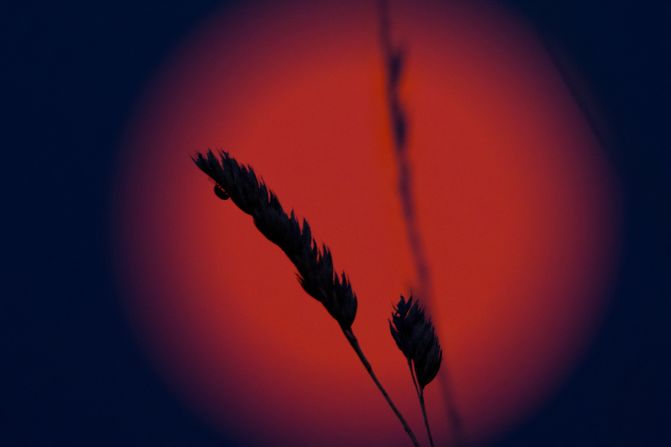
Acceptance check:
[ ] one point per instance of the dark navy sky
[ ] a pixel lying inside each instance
(71, 373)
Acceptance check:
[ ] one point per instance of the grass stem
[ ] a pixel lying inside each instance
(351, 338)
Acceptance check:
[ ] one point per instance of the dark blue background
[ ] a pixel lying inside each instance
(70, 371)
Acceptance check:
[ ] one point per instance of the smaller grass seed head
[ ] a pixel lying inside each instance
(416, 338)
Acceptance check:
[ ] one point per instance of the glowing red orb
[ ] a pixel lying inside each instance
(514, 204)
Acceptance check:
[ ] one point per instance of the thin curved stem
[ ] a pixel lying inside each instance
(351, 338)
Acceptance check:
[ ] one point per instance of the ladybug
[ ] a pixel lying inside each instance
(219, 192)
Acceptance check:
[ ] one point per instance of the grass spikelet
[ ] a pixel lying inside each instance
(416, 338)
(313, 262)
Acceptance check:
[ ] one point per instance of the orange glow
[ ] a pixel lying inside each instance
(514, 204)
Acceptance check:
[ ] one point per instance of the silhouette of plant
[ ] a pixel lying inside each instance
(394, 64)
(316, 275)
(394, 61)
(415, 336)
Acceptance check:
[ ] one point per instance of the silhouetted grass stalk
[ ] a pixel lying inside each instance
(416, 338)
(393, 59)
(313, 263)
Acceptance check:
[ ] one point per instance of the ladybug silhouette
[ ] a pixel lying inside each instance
(219, 192)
